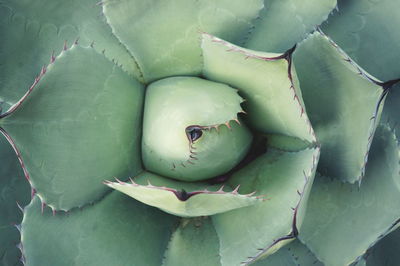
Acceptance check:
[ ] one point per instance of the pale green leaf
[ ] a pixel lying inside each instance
(164, 35)
(194, 243)
(266, 81)
(368, 31)
(285, 178)
(293, 254)
(184, 199)
(173, 106)
(349, 219)
(31, 31)
(116, 231)
(80, 125)
(283, 23)
(341, 101)
(14, 190)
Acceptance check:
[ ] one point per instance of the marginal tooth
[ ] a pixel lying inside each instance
(262, 197)
(119, 181)
(43, 205)
(305, 175)
(228, 125)
(221, 188)
(251, 194)
(65, 48)
(19, 246)
(132, 182)
(33, 192)
(52, 57)
(18, 226)
(235, 191)
(237, 121)
(43, 70)
(149, 184)
(92, 44)
(20, 207)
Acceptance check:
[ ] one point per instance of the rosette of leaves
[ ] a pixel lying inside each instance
(189, 132)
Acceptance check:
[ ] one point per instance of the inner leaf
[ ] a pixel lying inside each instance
(184, 199)
(191, 129)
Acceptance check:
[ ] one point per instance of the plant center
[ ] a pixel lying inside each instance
(191, 129)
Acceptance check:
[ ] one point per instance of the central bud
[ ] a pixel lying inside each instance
(191, 129)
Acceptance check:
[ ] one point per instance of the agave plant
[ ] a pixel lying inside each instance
(199, 132)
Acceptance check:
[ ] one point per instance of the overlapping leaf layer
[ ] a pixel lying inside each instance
(79, 78)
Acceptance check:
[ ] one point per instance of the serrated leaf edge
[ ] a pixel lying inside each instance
(286, 56)
(187, 195)
(19, 103)
(294, 231)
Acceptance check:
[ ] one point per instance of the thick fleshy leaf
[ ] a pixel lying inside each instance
(266, 81)
(298, 18)
(349, 219)
(115, 231)
(83, 116)
(14, 190)
(164, 35)
(293, 254)
(368, 31)
(195, 242)
(184, 199)
(386, 251)
(32, 30)
(337, 93)
(256, 231)
(191, 129)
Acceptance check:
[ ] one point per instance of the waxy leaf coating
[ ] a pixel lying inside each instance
(83, 115)
(344, 105)
(191, 129)
(348, 218)
(185, 199)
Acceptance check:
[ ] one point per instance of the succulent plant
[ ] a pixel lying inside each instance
(199, 132)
